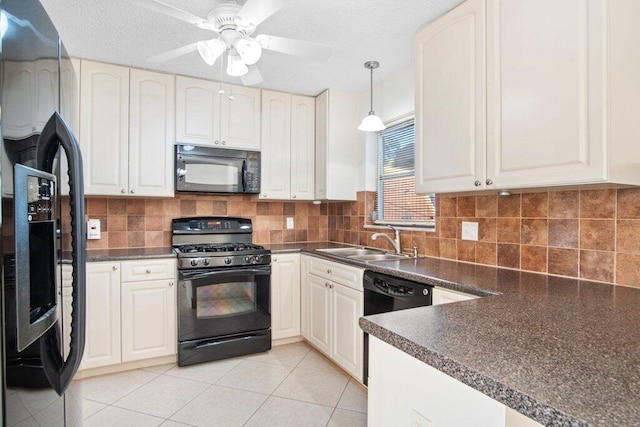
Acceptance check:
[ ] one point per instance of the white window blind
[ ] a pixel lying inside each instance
(397, 202)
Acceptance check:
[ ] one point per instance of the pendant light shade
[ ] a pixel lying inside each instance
(235, 66)
(371, 123)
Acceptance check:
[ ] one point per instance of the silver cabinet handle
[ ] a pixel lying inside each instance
(293, 197)
(275, 260)
(170, 283)
(133, 191)
(328, 271)
(216, 142)
(115, 267)
(489, 182)
(224, 142)
(123, 191)
(477, 183)
(148, 271)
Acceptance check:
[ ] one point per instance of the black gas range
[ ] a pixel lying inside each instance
(224, 289)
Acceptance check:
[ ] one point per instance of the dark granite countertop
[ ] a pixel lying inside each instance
(97, 255)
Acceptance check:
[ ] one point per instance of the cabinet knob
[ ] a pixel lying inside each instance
(275, 259)
(148, 271)
(216, 142)
(328, 271)
(224, 142)
(123, 191)
(489, 182)
(133, 191)
(115, 267)
(264, 194)
(327, 285)
(477, 183)
(293, 197)
(170, 283)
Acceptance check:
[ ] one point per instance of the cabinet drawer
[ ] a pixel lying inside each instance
(148, 270)
(340, 273)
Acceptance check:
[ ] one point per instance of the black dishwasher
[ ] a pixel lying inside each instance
(383, 293)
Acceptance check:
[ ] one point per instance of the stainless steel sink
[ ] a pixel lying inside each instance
(377, 257)
(351, 252)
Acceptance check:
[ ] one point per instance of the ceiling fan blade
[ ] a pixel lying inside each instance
(255, 11)
(308, 50)
(174, 12)
(253, 77)
(175, 53)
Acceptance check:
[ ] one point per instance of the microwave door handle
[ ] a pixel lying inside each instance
(59, 371)
(244, 176)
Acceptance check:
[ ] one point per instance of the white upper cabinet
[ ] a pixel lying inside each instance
(205, 116)
(558, 96)
(126, 131)
(287, 146)
(336, 139)
(151, 133)
(450, 100)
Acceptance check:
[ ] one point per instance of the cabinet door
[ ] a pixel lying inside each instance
(545, 87)
(240, 123)
(46, 74)
(104, 128)
(69, 109)
(322, 134)
(302, 147)
(276, 144)
(18, 97)
(148, 319)
(197, 111)
(450, 101)
(319, 312)
(346, 335)
(151, 133)
(285, 296)
(102, 339)
(304, 296)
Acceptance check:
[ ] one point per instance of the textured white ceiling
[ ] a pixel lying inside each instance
(119, 32)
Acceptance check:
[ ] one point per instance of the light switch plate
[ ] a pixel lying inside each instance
(289, 223)
(93, 229)
(469, 230)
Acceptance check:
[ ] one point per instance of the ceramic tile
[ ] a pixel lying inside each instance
(209, 372)
(509, 206)
(508, 230)
(597, 234)
(597, 203)
(90, 407)
(564, 233)
(163, 396)
(534, 232)
(466, 250)
(534, 258)
(255, 376)
(313, 386)
(109, 388)
(160, 369)
(563, 262)
(627, 236)
(288, 355)
(627, 271)
(508, 255)
(317, 362)
(487, 206)
(487, 229)
(597, 265)
(18, 410)
(280, 412)
(466, 206)
(170, 423)
(564, 204)
(227, 406)
(343, 418)
(535, 205)
(486, 253)
(112, 416)
(628, 206)
(354, 397)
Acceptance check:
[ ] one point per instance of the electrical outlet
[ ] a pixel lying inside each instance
(419, 420)
(93, 229)
(289, 223)
(469, 230)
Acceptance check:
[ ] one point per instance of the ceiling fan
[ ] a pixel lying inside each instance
(235, 25)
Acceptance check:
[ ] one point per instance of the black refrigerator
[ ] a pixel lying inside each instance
(43, 223)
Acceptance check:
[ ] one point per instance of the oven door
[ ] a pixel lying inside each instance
(211, 174)
(217, 302)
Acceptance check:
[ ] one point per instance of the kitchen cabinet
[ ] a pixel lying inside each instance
(406, 391)
(285, 296)
(131, 311)
(288, 146)
(335, 305)
(304, 296)
(217, 114)
(126, 130)
(336, 145)
(555, 106)
(442, 296)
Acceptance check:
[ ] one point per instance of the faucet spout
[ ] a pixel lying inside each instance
(394, 242)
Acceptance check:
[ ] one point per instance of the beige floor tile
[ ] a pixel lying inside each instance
(109, 388)
(170, 423)
(112, 416)
(354, 397)
(163, 396)
(288, 354)
(205, 372)
(89, 407)
(323, 388)
(256, 376)
(27, 422)
(160, 369)
(344, 418)
(277, 411)
(227, 406)
(317, 362)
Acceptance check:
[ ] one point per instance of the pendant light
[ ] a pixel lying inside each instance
(371, 123)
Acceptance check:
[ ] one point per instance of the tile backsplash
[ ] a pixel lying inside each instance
(589, 234)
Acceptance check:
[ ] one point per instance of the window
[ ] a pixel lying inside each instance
(397, 202)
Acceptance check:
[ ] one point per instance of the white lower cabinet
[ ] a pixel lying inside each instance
(129, 319)
(442, 296)
(335, 304)
(285, 296)
(405, 391)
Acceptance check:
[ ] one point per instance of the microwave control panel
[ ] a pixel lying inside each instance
(40, 198)
(253, 173)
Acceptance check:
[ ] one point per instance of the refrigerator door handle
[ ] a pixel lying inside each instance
(60, 372)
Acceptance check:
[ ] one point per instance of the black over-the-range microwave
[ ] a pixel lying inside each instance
(217, 170)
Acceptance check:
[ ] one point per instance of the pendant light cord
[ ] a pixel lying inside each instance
(371, 92)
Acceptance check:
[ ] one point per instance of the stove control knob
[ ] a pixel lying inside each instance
(258, 258)
(194, 262)
(205, 262)
(247, 259)
(227, 260)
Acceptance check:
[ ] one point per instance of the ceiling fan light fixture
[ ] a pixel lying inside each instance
(249, 50)
(235, 65)
(371, 123)
(210, 50)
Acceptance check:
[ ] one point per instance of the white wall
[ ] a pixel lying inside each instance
(393, 99)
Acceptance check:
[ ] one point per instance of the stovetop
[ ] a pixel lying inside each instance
(218, 248)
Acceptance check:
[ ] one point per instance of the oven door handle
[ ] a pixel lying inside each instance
(186, 275)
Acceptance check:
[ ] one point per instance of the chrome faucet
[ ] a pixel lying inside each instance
(395, 242)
